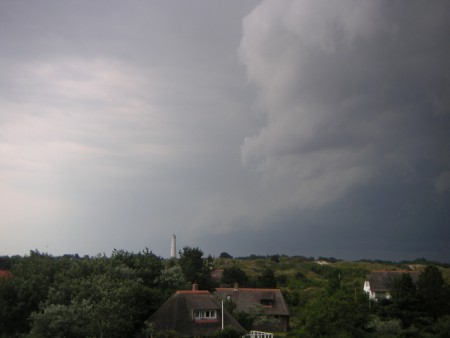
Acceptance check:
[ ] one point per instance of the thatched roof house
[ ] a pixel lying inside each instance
(192, 314)
(378, 283)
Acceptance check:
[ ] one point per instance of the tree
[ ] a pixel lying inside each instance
(32, 278)
(275, 258)
(172, 279)
(95, 297)
(233, 275)
(442, 327)
(59, 320)
(334, 280)
(340, 314)
(147, 265)
(282, 280)
(225, 255)
(405, 304)
(195, 268)
(10, 314)
(267, 279)
(433, 292)
(101, 305)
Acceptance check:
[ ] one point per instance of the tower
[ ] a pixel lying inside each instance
(173, 247)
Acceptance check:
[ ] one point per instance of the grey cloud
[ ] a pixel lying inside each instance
(117, 120)
(442, 183)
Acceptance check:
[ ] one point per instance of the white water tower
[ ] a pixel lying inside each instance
(173, 247)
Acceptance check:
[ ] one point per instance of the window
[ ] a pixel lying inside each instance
(205, 314)
(266, 302)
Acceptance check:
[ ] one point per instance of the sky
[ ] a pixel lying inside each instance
(314, 128)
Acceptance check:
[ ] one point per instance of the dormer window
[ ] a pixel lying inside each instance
(205, 314)
(267, 299)
(266, 302)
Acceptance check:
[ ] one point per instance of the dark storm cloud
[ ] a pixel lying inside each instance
(355, 96)
(365, 82)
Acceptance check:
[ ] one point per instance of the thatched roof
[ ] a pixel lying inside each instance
(247, 298)
(380, 281)
(177, 314)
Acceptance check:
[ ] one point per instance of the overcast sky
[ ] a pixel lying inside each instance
(315, 128)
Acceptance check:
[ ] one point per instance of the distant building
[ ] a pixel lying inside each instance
(195, 313)
(271, 301)
(173, 247)
(378, 283)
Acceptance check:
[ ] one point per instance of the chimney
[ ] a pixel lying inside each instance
(195, 287)
(236, 287)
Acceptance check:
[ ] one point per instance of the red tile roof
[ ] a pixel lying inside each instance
(5, 273)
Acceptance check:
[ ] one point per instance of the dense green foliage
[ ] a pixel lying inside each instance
(72, 296)
(434, 292)
(233, 275)
(336, 314)
(326, 296)
(196, 269)
(78, 297)
(98, 296)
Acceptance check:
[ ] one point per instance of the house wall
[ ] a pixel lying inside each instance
(284, 323)
(368, 290)
(375, 295)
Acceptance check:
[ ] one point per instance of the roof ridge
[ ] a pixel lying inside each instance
(251, 289)
(204, 292)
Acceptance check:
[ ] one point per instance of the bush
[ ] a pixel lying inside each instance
(228, 332)
(166, 334)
